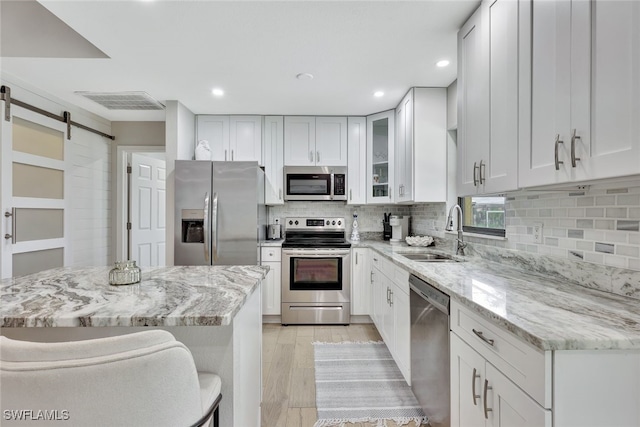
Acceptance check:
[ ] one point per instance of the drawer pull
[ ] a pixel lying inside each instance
(480, 335)
(486, 410)
(473, 387)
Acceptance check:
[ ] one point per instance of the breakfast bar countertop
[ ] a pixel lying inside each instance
(548, 313)
(166, 296)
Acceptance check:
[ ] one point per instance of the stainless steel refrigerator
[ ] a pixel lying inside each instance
(220, 215)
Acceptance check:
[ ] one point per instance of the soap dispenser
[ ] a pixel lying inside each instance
(355, 234)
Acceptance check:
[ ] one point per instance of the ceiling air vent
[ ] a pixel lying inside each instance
(123, 100)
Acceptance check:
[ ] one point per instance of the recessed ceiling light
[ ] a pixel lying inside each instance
(378, 94)
(217, 92)
(442, 63)
(304, 76)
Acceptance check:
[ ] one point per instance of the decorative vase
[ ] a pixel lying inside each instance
(124, 273)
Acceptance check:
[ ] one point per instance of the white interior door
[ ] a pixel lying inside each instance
(35, 193)
(148, 199)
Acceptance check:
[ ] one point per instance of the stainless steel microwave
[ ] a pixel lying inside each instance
(315, 183)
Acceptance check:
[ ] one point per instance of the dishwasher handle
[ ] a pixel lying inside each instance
(438, 299)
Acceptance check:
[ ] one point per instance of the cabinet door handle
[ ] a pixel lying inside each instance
(232, 155)
(558, 142)
(390, 297)
(475, 171)
(225, 155)
(388, 290)
(356, 258)
(486, 410)
(573, 148)
(473, 386)
(480, 335)
(311, 156)
(350, 194)
(317, 157)
(280, 194)
(481, 171)
(371, 277)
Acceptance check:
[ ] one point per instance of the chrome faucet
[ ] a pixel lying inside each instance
(460, 242)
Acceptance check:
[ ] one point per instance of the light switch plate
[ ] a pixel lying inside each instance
(537, 232)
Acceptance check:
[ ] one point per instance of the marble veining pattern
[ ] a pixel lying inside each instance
(166, 296)
(541, 309)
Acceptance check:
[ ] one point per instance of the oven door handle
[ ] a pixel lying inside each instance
(314, 253)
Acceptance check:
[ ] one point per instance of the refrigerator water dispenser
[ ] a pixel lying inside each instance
(192, 225)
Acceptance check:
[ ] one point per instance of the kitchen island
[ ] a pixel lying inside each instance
(214, 311)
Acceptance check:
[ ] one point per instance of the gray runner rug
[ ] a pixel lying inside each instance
(360, 382)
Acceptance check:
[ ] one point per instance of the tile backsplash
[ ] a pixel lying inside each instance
(369, 217)
(599, 225)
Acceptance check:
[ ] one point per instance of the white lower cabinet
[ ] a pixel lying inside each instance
(272, 283)
(483, 396)
(360, 281)
(390, 312)
(497, 379)
(402, 331)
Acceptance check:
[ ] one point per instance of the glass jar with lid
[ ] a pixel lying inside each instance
(124, 273)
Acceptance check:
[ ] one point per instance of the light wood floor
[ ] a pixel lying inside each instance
(289, 393)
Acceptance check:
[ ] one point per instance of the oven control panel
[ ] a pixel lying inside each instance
(328, 224)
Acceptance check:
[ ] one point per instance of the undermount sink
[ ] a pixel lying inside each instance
(429, 257)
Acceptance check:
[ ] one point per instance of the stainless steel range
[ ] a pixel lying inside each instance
(316, 272)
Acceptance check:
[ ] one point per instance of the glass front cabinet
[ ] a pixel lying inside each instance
(380, 132)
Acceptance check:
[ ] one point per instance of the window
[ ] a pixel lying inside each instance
(483, 215)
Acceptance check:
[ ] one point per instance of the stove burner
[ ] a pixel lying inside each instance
(315, 233)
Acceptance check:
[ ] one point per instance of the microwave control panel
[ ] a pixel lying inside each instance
(339, 185)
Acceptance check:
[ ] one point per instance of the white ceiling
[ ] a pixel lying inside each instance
(180, 50)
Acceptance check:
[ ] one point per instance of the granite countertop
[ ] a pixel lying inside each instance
(548, 313)
(166, 296)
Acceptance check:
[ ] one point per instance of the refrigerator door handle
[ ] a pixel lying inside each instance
(205, 227)
(214, 231)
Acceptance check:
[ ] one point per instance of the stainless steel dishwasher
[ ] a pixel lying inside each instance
(430, 351)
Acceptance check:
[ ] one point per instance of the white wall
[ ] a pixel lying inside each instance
(91, 208)
(180, 145)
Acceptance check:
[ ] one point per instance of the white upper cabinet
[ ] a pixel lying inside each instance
(231, 138)
(274, 159)
(421, 146)
(215, 130)
(501, 170)
(614, 146)
(245, 138)
(488, 93)
(544, 154)
(299, 141)
(404, 150)
(315, 141)
(427, 156)
(357, 161)
(380, 157)
(331, 141)
(585, 90)
(473, 100)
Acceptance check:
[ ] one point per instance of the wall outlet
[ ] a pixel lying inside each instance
(537, 232)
